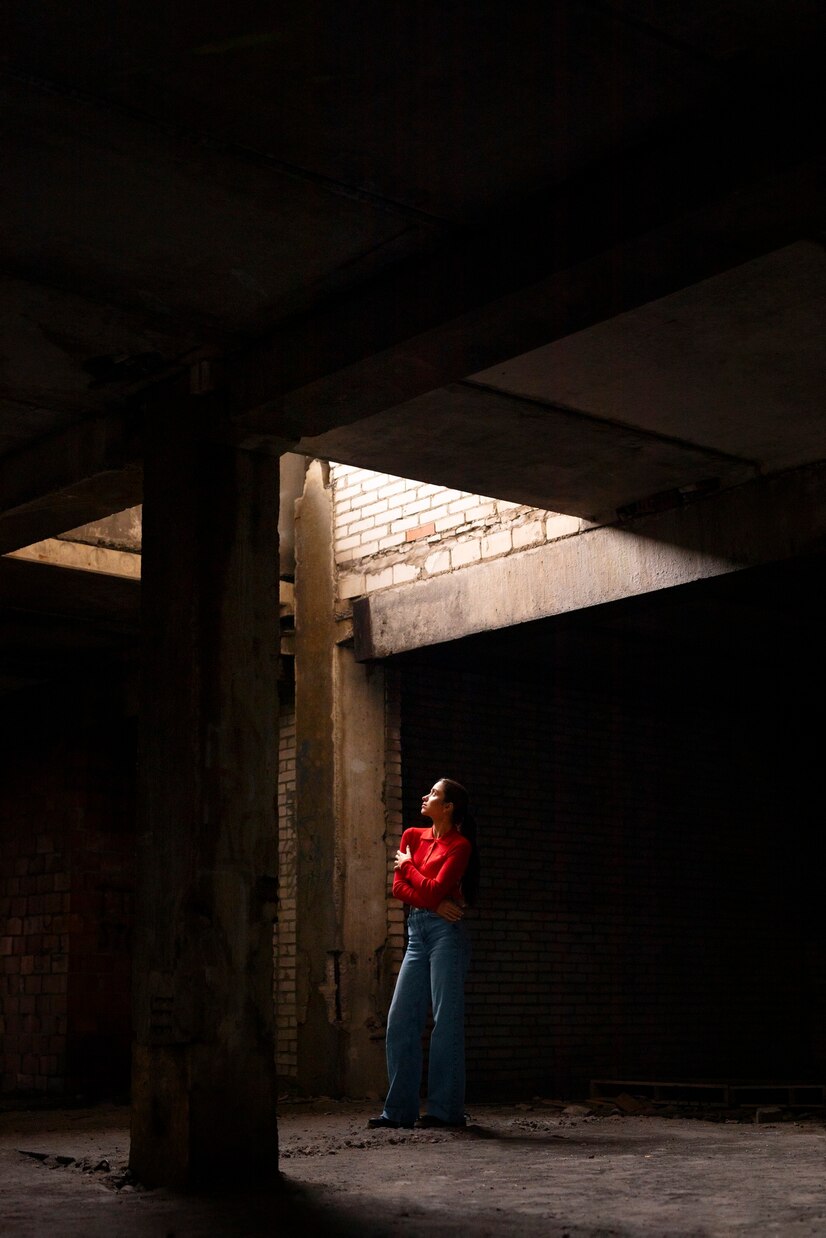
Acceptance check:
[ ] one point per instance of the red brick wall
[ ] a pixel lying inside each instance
(66, 889)
(650, 835)
(34, 935)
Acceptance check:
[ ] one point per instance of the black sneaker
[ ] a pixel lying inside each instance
(379, 1123)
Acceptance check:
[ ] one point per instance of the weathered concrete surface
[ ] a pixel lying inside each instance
(82, 556)
(343, 240)
(318, 861)
(120, 531)
(113, 544)
(759, 522)
(721, 380)
(293, 468)
(203, 1062)
(359, 796)
(753, 333)
(519, 1170)
(341, 922)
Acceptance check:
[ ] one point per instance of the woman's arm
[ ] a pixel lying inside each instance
(411, 886)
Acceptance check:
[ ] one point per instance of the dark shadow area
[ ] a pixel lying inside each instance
(645, 778)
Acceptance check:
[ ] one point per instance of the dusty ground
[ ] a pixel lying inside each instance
(517, 1170)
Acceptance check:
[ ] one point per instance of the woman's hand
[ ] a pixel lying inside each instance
(401, 856)
(449, 910)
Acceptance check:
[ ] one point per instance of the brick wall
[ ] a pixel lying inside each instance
(284, 933)
(390, 530)
(394, 824)
(650, 839)
(66, 899)
(67, 840)
(34, 935)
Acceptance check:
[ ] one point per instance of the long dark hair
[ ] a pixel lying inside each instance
(455, 794)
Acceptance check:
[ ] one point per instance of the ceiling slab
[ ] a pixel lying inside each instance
(199, 234)
(347, 212)
(735, 363)
(440, 108)
(714, 384)
(486, 442)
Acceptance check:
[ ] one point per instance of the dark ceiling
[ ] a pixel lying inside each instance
(570, 254)
(377, 220)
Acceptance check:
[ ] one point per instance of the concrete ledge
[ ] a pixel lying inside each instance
(760, 522)
(82, 556)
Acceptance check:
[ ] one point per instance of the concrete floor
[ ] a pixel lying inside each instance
(517, 1170)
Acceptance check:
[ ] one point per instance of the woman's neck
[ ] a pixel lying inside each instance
(444, 827)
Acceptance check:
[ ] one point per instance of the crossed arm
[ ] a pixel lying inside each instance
(446, 908)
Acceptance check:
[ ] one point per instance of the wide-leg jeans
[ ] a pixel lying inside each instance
(433, 974)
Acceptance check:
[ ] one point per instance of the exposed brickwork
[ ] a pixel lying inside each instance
(391, 531)
(645, 910)
(284, 940)
(284, 934)
(394, 818)
(66, 903)
(34, 942)
(634, 927)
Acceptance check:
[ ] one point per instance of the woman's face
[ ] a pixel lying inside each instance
(433, 804)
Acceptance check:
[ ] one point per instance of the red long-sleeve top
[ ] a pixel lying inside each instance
(435, 870)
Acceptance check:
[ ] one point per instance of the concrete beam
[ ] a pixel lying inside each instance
(760, 522)
(102, 599)
(746, 179)
(682, 208)
(409, 411)
(82, 474)
(81, 556)
(484, 441)
(556, 262)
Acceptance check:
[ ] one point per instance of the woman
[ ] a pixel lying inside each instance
(436, 875)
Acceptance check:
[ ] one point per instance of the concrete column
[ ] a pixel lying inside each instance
(292, 485)
(359, 727)
(203, 1067)
(341, 919)
(318, 870)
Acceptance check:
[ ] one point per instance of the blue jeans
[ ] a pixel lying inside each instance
(433, 973)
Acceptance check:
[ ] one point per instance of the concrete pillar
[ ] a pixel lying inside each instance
(341, 920)
(318, 871)
(292, 484)
(204, 1088)
(359, 728)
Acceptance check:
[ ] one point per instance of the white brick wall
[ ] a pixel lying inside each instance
(393, 530)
